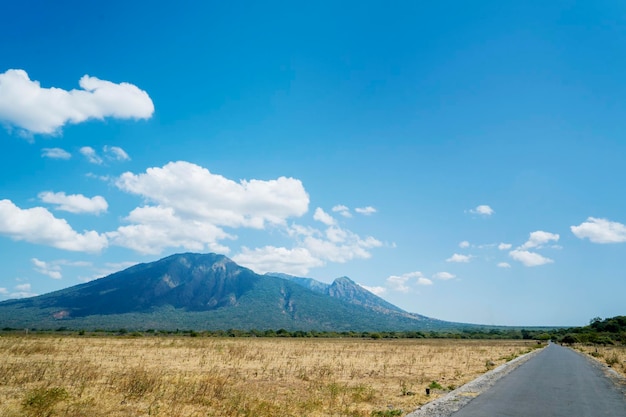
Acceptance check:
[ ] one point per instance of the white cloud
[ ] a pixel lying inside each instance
(53, 271)
(504, 265)
(91, 155)
(297, 261)
(22, 291)
(539, 238)
(483, 210)
(75, 203)
(366, 210)
(459, 258)
(153, 229)
(464, 244)
(38, 225)
(194, 192)
(505, 246)
(116, 153)
(343, 210)
(313, 248)
(375, 290)
(444, 275)
(529, 258)
(3, 291)
(424, 281)
(29, 107)
(398, 283)
(600, 231)
(55, 153)
(192, 206)
(321, 216)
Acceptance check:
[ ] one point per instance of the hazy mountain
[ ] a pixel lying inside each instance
(344, 289)
(209, 291)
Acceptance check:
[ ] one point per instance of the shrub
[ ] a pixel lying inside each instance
(40, 402)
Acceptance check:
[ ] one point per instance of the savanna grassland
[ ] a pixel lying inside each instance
(201, 376)
(611, 355)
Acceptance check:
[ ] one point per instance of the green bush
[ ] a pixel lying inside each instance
(40, 402)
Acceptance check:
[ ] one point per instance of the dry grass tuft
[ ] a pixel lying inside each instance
(175, 376)
(613, 356)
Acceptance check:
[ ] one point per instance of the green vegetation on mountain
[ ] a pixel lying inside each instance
(209, 292)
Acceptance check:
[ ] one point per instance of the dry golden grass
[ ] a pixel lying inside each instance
(175, 376)
(615, 356)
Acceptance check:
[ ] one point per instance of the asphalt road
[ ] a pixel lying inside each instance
(557, 382)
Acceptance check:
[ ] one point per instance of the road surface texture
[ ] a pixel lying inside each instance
(555, 382)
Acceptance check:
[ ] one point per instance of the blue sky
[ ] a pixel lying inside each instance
(464, 160)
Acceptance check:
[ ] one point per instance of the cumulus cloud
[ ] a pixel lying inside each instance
(504, 265)
(55, 153)
(91, 155)
(366, 211)
(600, 231)
(398, 283)
(459, 258)
(194, 192)
(189, 207)
(22, 291)
(375, 290)
(483, 210)
(343, 210)
(3, 291)
(116, 153)
(313, 248)
(464, 244)
(444, 276)
(297, 261)
(75, 203)
(153, 229)
(424, 281)
(528, 258)
(539, 238)
(505, 246)
(53, 271)
(33, 109)
(38, 225)
(321, 216)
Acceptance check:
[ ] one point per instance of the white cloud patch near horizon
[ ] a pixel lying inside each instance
(189, 207)
(375, 290)
(33, 109)
(528, 258)
(483, 210)
(366, 211)
(75, 203)
(600, 231)
(321, 216)
(53, 271)
(342, 210)
(444, 276)
(504, 265)
(38, 225)
(91, 155)
(55, 153)
(505, 246)
(458, 258)
(465, 244)
(538, 239)
(116, 153)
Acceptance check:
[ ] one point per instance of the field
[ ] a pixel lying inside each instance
(614, 356)
(201, 376)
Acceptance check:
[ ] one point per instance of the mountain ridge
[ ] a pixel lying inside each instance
(210, 291)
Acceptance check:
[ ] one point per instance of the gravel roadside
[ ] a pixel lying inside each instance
(455, 400)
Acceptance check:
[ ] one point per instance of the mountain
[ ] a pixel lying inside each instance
(344, 289)
(210, 291)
